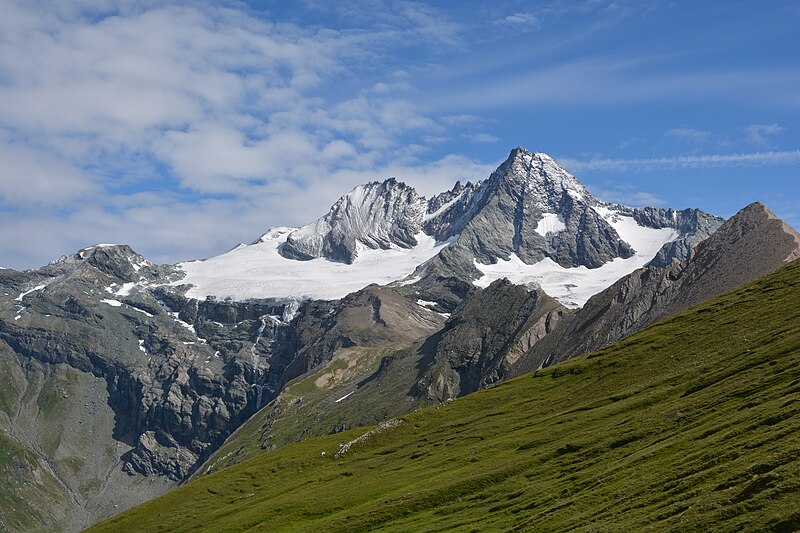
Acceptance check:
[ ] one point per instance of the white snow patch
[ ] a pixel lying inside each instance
(550, 223)
(442, 209)
(188, 326)
(141, 346)
(344, 397)
(141, 311)
(425, 303)
(126, 289)
(574, 286)
(259, 271)
(22, 295)
(17, 317)
(139, 263)
(410, 281)
(113, 303)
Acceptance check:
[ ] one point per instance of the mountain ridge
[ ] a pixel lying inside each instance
(751, 244)
(530, 208)
(177, 367)
(690, 422)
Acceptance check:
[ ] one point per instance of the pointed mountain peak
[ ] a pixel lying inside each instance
(376, 215)
(538, 177)
(756, 209)
(750, 239)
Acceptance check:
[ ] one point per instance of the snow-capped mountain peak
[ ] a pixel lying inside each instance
(377, 215)
(531, 221)
(540, 179)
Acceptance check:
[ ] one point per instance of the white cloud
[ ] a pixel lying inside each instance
(690, 135)
(527, 20)
(481, 138)
(31, 178)
(626, 194)
(685, 161)
(760, 133)
(615, 81)
(183, 128)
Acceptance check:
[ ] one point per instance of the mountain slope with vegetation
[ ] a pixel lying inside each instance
(688, 425)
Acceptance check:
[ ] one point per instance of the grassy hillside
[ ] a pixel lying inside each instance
(690, 425)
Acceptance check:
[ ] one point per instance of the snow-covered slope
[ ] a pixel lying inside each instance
(573, 286)
(260, 271)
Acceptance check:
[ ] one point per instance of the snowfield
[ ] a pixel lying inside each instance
(550, 223)
(574, 286)
(259, 271)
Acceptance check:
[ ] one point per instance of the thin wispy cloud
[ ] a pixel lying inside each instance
(760, 133)
(481, 138)
(685, 161)
(620, 81)
(690, 135)
(525, 21)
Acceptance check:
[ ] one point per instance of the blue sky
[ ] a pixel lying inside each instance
(182, 128)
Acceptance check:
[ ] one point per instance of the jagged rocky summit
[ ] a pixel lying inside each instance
(530, 221)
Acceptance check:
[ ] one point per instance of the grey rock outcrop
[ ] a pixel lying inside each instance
(92, 341)
(483, 339)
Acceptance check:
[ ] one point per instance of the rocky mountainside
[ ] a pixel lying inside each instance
(389, 302)
(749, 245)
(390, 369)
(483, 339)
(689, 425)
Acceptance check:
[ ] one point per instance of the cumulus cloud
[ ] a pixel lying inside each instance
(181, 128)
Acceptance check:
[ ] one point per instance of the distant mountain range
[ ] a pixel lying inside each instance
(122, 377)
(531, 221)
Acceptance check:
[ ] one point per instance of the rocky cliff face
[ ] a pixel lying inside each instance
(481, 341)
(751, 244)
(375, 215)
(93, 342)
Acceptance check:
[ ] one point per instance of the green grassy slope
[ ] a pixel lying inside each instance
(689, 425)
